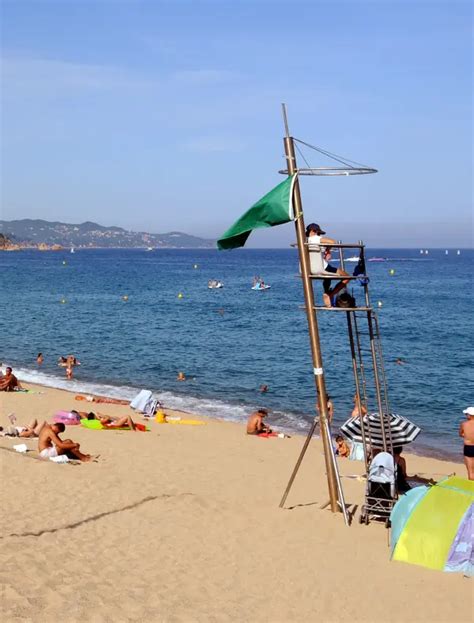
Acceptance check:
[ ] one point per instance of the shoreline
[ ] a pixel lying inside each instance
(199, 406)
(298, 435)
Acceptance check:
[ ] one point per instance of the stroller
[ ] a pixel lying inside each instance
(380, 493)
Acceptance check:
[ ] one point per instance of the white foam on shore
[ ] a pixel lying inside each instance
(212, 408)
(200, 406)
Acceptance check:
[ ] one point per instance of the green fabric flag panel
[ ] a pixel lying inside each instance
(275, 208)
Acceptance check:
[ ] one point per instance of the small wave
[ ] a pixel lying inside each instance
(207, 407)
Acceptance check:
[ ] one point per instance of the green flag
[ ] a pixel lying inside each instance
(275, 208)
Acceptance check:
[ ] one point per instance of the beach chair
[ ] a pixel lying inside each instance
(380, 493)
(316, 261)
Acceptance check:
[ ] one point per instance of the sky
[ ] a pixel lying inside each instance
(162, 116)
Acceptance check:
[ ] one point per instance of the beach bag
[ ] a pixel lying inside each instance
(345, 300)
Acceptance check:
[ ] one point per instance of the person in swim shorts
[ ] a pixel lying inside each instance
(316, 235)
(255, 424)
(50, 444)
(466, 431)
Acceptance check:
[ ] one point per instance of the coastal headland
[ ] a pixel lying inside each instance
(182, 524)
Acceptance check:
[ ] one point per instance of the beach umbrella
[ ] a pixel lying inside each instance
(397, 428)
(434, 526)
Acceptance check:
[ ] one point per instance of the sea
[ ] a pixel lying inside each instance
(135, 318)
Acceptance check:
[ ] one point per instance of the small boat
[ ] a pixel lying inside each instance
(72, 250)
(149, 248)
(261, 286)
(354, 258)
(214, 284)
(377, 259)
(458, 252)
(446, 252)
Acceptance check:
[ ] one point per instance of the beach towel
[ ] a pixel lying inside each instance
(141, 402)
(186, 422)
(96, 425)
(357, 452)
(62, 458)
(21, 447)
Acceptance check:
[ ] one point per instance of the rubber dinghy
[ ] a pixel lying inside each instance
(258, 286)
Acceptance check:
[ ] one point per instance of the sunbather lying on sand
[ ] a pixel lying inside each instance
(112, 422)
(101, 399)
(51, 445)
(32, 429)
(9, 382)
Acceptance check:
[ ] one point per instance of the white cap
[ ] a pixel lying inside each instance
(469, 411)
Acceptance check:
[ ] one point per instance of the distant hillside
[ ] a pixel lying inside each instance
(28, 232)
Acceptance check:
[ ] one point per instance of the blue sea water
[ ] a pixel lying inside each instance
(230, 341)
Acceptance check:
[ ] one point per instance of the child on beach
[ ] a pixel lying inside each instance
(342, 449)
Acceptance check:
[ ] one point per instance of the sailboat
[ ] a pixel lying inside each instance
(458, 252)
(72, 250)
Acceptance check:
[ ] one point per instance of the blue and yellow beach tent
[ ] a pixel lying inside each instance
(434, 526)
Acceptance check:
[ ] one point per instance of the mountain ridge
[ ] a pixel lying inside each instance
(34, 232)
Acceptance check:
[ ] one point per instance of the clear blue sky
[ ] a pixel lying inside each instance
(166, 116)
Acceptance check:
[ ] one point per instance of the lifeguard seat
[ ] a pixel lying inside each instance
(316, 261)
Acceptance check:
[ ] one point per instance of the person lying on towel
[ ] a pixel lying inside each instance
(50, 444)
(255, 424)
(109, 421)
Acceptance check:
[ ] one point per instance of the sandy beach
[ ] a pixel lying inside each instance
(182, 524)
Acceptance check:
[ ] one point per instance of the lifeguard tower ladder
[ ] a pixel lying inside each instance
(362, 326)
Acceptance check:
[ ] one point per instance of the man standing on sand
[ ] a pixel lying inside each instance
(255, 424)
(466, 430)
(51, 445)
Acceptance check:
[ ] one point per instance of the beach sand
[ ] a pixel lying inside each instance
(182, 524)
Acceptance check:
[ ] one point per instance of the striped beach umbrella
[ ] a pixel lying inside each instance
(399, 429)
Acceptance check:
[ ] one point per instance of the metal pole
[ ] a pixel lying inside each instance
(313, 333)
(377, 380)
(356, 381)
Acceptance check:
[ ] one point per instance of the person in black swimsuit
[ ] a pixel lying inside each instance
(466, 431)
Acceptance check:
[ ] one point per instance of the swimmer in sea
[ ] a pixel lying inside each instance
(39, 359)
(263, 389)
(400, 362)
(181, 376)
